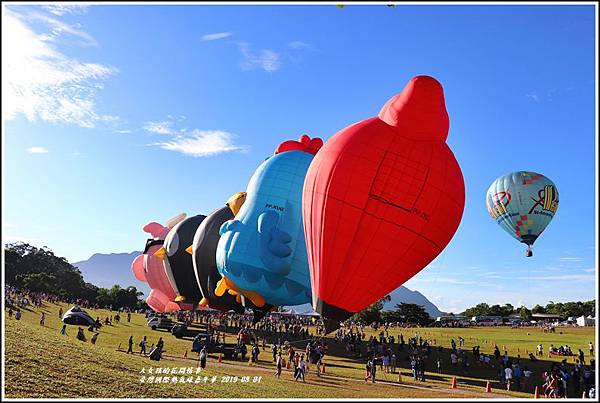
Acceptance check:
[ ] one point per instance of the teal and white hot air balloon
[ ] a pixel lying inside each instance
(523, 203)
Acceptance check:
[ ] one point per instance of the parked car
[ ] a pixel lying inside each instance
(160, 322)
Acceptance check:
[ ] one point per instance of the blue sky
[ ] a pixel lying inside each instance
(118, 115)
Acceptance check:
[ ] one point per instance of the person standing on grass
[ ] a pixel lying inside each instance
(279, 364)
(591, 347)
(517, 376)
(508, 375)
(540, 350)
(42, 319)
(202, 358)
(274, 351)
(368, 370)
(18, 314)
(63, 331)
(130, 348)
(373, 370)
(319, 365)
(60, 313)
(526, 378)
(143, 346)
(581, 357)
(80, 335)
(94, 337)
(302, 367)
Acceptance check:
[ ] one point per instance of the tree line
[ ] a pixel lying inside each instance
(563, 309)
(403, 313)
(40, 270)
(416, 314)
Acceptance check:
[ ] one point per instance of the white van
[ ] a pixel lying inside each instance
(160, 322)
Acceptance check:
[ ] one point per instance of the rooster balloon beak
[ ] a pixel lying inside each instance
(161, 253)
(189, 249)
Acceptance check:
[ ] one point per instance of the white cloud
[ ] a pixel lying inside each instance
(446, 280)
(162, 127)
(42, 83)
(565, 277)
(37, 150)
(570, 259)
(65, 8)
(298, 45)
(203, 143)
(59, 28)
(125, 131)
(265, 59)
(533, 95)
(215, 36)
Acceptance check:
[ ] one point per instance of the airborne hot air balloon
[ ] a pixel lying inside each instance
(382, 198)
(262, 252)
(523, 203)
(203, 251)
(149, 268)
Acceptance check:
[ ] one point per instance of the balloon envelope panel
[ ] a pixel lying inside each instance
(263, 249)
(178, 262)
(204, 250)
(523, 203)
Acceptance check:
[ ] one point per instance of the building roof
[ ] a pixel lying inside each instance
(545, 316)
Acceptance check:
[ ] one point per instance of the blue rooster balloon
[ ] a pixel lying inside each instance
(262, 252)
(523, 204)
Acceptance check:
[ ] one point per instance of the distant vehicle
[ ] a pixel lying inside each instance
(228, 350)
(487, 320)
(451, 321)
(160, 322)
(180, 330)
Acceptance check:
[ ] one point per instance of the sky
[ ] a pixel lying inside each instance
(117, 115)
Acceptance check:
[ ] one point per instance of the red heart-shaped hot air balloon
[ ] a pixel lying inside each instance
(382, 198)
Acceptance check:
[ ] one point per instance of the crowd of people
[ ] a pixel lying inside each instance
(296, 343)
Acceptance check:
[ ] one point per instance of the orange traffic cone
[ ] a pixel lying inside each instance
(488, 387)
(220, 357)
(453, 384)
(536, 394)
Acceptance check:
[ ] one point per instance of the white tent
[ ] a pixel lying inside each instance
(585, 321)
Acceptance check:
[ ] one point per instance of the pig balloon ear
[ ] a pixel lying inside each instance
(176, 220)
(154, 228)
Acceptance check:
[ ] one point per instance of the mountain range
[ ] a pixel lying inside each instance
(107, 269)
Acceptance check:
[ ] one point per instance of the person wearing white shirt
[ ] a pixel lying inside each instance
(508, 376)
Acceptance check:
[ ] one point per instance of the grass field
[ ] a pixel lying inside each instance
(40, 362)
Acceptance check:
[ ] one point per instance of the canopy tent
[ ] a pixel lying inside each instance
(586, 321)
(77, 316)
